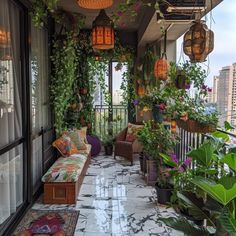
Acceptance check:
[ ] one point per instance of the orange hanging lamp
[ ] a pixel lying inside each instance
(161, 65)
(95, 4)
(5, 39)
(198, 42)
(103, 32)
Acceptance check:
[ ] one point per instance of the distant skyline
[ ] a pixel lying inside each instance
(223, 26)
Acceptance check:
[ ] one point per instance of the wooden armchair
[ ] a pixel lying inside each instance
(124, 148)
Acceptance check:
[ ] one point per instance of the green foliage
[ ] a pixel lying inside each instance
(230, 160)
(41, 10)
(204, 154)
(188, 228)
(216, 191)
(193, 73)
(65, 64)
(227, 223)
(156, 139)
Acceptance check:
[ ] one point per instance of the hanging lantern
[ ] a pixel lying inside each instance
(161, 69)
(5, 39)
(161, 66)
(198, 42)
(95, 4)
(103, 32)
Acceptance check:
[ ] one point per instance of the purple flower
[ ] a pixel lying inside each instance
(187, 86)
(188, 161)
(181, 169)
(204, 87)
(119, 13)
(136, 102)
(209, 90)
(174, 158)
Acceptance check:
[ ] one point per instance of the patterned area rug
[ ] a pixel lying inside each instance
(45, 223)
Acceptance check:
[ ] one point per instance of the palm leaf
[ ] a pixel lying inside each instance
(227, 224)
(188, 228)
(195, 207)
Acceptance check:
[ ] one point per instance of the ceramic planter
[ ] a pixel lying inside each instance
(157, 114)
(108, 150)
(163, 194)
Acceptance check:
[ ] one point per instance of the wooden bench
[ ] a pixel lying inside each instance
(63, 180)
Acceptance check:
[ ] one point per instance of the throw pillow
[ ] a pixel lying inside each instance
(77, 139)
(65, 146)
(83, 134)
(132, 131)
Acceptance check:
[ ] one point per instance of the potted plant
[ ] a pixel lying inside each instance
(216, 186)
(107, 142)
(156, 139)
(187, 73)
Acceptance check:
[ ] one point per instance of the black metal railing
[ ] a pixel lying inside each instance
(109, 119)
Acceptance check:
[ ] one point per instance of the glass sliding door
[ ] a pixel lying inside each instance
(41, 119)
(11, 131)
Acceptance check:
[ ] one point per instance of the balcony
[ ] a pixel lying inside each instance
(172, 169)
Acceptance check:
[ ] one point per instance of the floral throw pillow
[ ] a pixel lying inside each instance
(132, 131)
(77, 139)
(65, 146)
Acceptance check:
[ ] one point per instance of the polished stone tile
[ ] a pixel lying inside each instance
(115, 200)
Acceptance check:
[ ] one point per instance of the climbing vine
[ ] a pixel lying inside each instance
(65, 66)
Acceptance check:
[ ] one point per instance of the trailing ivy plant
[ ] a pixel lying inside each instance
(65, 66)
(40, 11)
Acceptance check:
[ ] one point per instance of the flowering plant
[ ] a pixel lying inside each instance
(173, 172)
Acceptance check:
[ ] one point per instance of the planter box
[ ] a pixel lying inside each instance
(151, 177)
(195, 127)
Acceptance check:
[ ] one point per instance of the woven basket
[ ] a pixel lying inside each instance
(195, 127)
(95, 4)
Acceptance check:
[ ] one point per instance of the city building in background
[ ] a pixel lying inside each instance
(224, 94)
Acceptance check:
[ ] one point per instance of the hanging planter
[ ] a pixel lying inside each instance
(157, 113)
(161, 68)
(181, 81)
(198, 42)
(83, 91)
(196, 127)
(141, 90)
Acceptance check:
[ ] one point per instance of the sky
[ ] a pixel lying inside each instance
(222, 23)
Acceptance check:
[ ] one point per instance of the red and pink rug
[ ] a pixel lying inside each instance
(48, 223)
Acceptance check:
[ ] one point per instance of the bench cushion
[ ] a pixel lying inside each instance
(66, 169)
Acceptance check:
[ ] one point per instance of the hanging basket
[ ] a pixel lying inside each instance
(196, 127)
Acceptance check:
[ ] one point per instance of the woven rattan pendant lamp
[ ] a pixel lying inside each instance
(95, 4)
(198, 42)
(103, 32)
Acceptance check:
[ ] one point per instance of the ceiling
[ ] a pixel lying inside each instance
(145, 23)
(126, 22)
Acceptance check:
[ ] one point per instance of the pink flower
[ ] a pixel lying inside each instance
(119, 13)
(162, 106)
(188, 161)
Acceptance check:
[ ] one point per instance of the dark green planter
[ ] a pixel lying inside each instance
(108, 150)
(163, 195)
(157, 114)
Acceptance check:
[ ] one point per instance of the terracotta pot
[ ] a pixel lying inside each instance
(195, 127)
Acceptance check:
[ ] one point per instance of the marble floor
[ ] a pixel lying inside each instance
(114, 200)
